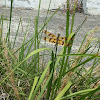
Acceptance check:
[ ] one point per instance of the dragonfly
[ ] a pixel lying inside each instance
(56, 39)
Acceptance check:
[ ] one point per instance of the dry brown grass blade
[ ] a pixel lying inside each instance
(7, 64)
(83, 48)
(89, 38)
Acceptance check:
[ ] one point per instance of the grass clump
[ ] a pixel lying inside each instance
(65, 76)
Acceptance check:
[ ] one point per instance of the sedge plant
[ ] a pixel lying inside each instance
(65, 75)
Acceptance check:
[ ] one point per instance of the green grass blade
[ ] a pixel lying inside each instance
(90, 94)
(83, 55)
(63, 91)
(40, 80)
(80, 26)
(16, 33)
(78, 93)
(89, 59)
(50, 82)
(33, 87)
(32, 53)
(67, 19)
(72, 24)
(40, 95)
(21, 54)
(8, 34)
(39, 31)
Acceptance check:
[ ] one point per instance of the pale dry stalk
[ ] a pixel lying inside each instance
(8, 67)
(83, 48)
